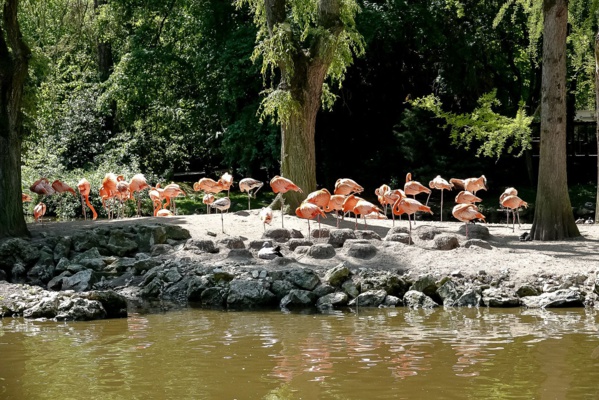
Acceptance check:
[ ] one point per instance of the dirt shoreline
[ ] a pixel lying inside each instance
(523, 261)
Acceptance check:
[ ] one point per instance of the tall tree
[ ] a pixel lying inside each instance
(14, 59)
(307, 41)
(553, 218)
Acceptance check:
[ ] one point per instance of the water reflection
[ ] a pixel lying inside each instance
(399, 353)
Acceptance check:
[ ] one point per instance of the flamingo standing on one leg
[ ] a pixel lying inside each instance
(222, 205)
(319, 198)
(208, 185)
(335, 204)
(208, 199)
(349, 204)
(507, 192)
(380, 195)
(410, 207)
(265, 216)
(473, 185)
(466, 213)
(465, 197)
(346, 186)
(440, 184)
(363, 208)
(84, 189)
(283, 185)
(226, 180)
(38, 212)
(309, 211)
(136, 185)
(414, 187)
(249, 184)
(514, 203)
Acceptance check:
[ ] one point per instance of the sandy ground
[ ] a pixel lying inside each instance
(523, 261)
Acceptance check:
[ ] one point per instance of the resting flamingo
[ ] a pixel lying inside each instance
(222, 205)
(363, 208)
(171, 191)
(38, 212)
(208, 199)
(84, 188)
(410, 207)
(164, 213)
(25, 198)
(380, 195)
(136, 185)
(42, 187)
(309, 211)
(348, 206)
(156, 198)
(391, 197)
(226, 181)
(513, 203)
(466, 213)
(507, 192)
(440, 184)
(265, 216)
(283, 185)
(473, 185)
(346, 186)
(249, 184)
(319, 198)
(465, 197)
(335, 204)
(414, 187)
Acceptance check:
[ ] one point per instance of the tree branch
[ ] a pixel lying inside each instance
(275, 13)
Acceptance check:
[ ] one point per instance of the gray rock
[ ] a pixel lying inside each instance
(367, 235)
(56, 282)
(120, 265)
(323, 290)
(478, 243)
(259, 243)
(172, 275)
(337, 237)
(79, 309)
(299, 250)
(83, 241)
(392, 301)
(160, 249)
(397, 230)
(559, 298)
(427, 232)
(321, 233)
(281, 288)
(415, 299)
(298, 298)
(470, 298)
(121, 243)
(475, 231)
(332, 300)
(152, 289)
(240, 253)
(206, 246)
(248, 293)
(219, 275)
(81, 281)
(449, 294)
(527, 290)
(231, 242)
(337, 275)
(113, 303)
(62, 248)
(294, 243)
(45, 307)
(350, 288)
(371, 298)
(445, 242)
(425, 284)
(295, 234)
(214, 297)
(43, 270)
(176, 232)
(150, 235)
(321, 251)
(499, 298)
(362, 251)
(303, 278)
(399, 237)
(279, 235)
(18, 273)
(15, 249)
(145, 264)
(196, 285)
(3, 275)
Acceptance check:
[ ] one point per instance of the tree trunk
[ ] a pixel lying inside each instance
(553, 218)
(597, 119)
(13, 71)
(105, 65)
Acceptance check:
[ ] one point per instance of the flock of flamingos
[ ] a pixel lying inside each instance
(115, 189)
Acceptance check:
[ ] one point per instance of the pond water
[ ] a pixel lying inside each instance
(374, 354)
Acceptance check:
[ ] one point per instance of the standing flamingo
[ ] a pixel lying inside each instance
(25, 198)
(208, 199)
(466, 213)
(347, 186)
(440, 184)
(222, 205)
(364, 208)
(348, 206)
(335, 204)
(136, 185)
(507, 192)
(42, 187)
(249, 184)
(391, 197)
(38, 212)
(309, 211)
(171, 191)
(265, 216)
(226, 181)
(473, 185)
(410, 207)
(465, 197)
(208, 185)
(156, 198)
(123, 194)
(414, 187)
(380, 195)
(513, 203)
(84, 189)
(283, 185)
(319, 198)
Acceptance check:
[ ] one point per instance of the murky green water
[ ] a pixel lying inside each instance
(378, 354)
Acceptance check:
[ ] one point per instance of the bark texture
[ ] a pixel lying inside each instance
(597, 119)
(14, 59)
(554, 219)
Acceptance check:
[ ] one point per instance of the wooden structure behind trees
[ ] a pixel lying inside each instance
(553, 218)
(14, 59)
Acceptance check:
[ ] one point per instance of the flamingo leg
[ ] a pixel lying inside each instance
(83, 209)
(513, 221)
(429, 196)
(410, 224)
(518, 214)
(308, 229)
(282, 207)
(337, 215)
(249, 200)
(222, 221)
(441, 205)
(365, 224)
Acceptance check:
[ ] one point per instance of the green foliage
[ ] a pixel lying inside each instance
(496, 133)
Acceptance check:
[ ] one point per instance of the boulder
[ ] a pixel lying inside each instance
(44, 268)
(259, 243)
(392, 301)
(399, 237)
(332, 300)
(350, 288)
(279, 235)
(425, 284)
(478, 243)
(475, 231)
(150, 235)
(113, 303)
(83, 241)
(470, 298)
(62, 248)
(18, 273)
(337, 275)
(176, 232)
(81, 281)
(559, 298)
(415, 299)
(196, 285)
(160, 249)
(294, 243)
(249, 293)
(121, 243)
(337, 237)
(527, 290)
(426, 232)
(239, 253)
(152, 289)
(281, 288)
(321, 251)
(214, 297)
(367, 235)
(79, 309)
(448, 292)
(45, 307)
(445, 242)
(15, 249)
(370, 298)
(361, 250)
(205, 246)
(232, 242)
(323, 290)
(56, 282)
(298, 298)
(499, 298)
(397, 230)
(303, 278)
(321, 233)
